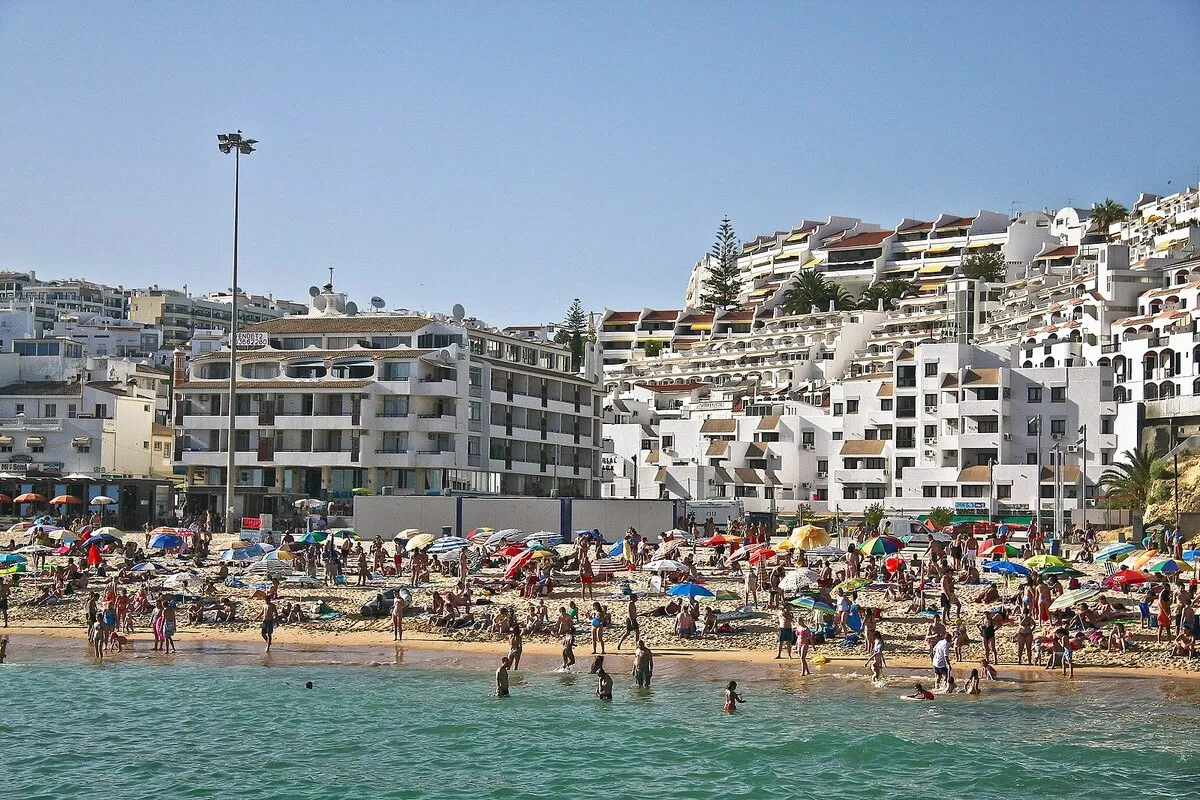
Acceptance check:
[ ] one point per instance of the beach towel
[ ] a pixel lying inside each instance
(332, 615)
(234, 583)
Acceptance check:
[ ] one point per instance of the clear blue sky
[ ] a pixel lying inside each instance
(513, 156)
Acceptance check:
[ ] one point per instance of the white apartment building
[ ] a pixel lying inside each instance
(406, 404)
(180, 316)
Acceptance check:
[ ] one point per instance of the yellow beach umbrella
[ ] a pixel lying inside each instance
(809, 536)
(419, 541)
(786, 544)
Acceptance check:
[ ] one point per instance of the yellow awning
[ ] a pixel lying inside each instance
(758, 262)
(812, 261)
(763, 292)
(939, 248)
(702, 326)
(933, 269)
(973, 245)
(1168, 243)
(797, 237)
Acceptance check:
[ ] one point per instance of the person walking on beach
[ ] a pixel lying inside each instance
(597, 628)
(732, 698)
(568, 651)
(502, 678)
(787, 634)
(398, 607)
(631, 622)
(804, 640)
(268, 623)
(877, 662)
(604, 682)
(643, 665)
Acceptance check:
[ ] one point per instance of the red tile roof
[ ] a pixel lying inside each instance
(919, 226)
(961, 222)
(738, 316)
(673, 387)
(661, 316)
(868, 239)
(692, 319)
(1061, 252)
(623, 316)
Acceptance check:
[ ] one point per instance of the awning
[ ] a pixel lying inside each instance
(1169, 243)
(353, 362)
(885, 389)
(702, 326)
(797, 237)
(939, 248)
(773, 479)
(719, 426)
(763, 292)
(746, 475)
(721, 476)
(717, 447)
(812, 261)
(307, 362)
(77, 441)
(652, 457)
(759, 262)
(6, 440)
(35, 441)
(976, 245)
(933, 269)
(863, 447)
(661, 475)
(769, 422)
(980, 473)
(756, 450)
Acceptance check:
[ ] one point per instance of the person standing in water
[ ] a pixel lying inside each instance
(787, 634)
(502, 678)
(643, 665)
(732, 698)
(515, 646)
(168, 628)
(604, 682)
(568, 651)
(268, 623)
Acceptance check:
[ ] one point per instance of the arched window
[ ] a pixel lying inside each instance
(1151, 391)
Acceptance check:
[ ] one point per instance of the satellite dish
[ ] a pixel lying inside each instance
(458, 312)
(351, 308)
(319, 302)
(377, 302)
(313, 291)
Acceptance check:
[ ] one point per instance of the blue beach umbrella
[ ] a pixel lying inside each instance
(145, 566)
(592, 534)
(165, 541)
(689, 590)
(448, 544)
(244, 553)
(11, 558)
(1005, 568)
(1115, 550)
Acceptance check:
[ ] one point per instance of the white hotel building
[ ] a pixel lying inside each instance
(394, 403)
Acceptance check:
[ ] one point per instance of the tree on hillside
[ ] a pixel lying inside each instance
(724, 281)
(887, 291)
(810, 288)
(1106, 213)
(1130, 483)
(988, 267)
(572, 331)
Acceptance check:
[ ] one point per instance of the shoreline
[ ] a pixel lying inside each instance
(291, 644)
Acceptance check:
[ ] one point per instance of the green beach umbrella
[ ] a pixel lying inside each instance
(1074, 597)
(881, 546)
(852, 585)
(1040, 563)
(813, 604)
(1169, 566)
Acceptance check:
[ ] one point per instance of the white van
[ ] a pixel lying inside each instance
(912, 531)
(719, 511)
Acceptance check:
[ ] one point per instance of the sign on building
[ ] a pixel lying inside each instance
(251, 339)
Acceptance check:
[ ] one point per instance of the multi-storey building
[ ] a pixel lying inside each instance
(407, 404)
(180, 316)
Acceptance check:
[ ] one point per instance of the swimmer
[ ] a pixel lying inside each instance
(604, 682)
(732, 698)
(921, 693)
(308, 684)
(568, 651)
(3, 648)
(643, 665)
(972, 685)
(502, 678)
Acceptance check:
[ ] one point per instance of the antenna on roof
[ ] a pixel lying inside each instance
(377, 303)
(458, 312)
(313, 291)
(331, 276)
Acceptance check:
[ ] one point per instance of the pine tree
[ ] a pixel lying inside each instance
(724, 281)
(574, 326)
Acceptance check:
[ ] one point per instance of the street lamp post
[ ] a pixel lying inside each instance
(1037, 489)
(1081, 492)
(991, 490)
(233, 143)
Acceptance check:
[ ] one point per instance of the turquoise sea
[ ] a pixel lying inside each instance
(225, 725)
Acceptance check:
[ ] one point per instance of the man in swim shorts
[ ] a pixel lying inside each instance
(643, 664)
(502, 678)
(268, 623)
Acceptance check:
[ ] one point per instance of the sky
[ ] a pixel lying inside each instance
(511, 157)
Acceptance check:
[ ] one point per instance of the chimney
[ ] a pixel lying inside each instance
(178, 366)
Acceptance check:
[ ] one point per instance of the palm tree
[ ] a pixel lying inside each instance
(811, 288)
(1106, 213)
(887, 291)
(1130, 483)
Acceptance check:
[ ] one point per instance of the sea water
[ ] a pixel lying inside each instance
(142, 728)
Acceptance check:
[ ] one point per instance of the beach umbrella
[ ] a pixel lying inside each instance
(892, 563)
(547, 537)
(512, 535)
(270, 569)
(595, 535)
(1115, 550)
(184, 580)
(541, 548)
(484, 532)
(689, 590)
(784, 546)
(345, 533)
(20, 527)
(244, 553)
(880, 546)
(145, 567)
(300, 579)
(667, 548)
(66, 500)
(809, 536)
(314, 537)
(5, 498)
(8, 559)
(13, 569)
(1157, 527)
(1125, 577)
(744, 552)
(278, 555)
(102, 500)
(798, 579)
(1041, 562)
(165, 541)
(164, 529)
(761, 554)
(103, 538)
(419, 541)
(510, 551)
(720, 539)
(1001, 550)
(407, 533)
(29, 497)
(516, 562)
(308, 504)
(1072, 598)
(448, 544)
(1006, 568)
(1169, 566)
(108, 531)
(542, 554)
(667, 565)
(813, 604)
(1138, 559)
(852, 585)
(1191, 555)
(36, 549)
(64, 535)
(676, 533)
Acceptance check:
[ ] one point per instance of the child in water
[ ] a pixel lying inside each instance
(568, 651)
(876, 662)
(732, 698)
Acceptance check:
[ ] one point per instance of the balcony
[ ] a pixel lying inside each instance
(434, 387)
(30, 424)
(857, 476)
(308, 422)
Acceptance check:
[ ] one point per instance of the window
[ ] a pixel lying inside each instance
(1105, 457)
(974, 491)
(871, 434)
(906, 437)
(1035, 394)
(145, 444)
(903, 464)
(906, 377)
(20, 408)
(8, 448)
(158, 447)
(949, 491)
(875, 493)
(837, 409)
(885, 405)
(808, 438)
(851, 406)
(931, 431)
(931, 369)
(1031, 458)
(1058, 394)
(906, 407)
(770, 436)
(989, 425)
(1031, 426)
(1058, 427)
(929, 491)
(72, 411)
(823, 465)
(37, 448)
(393, 406)
(395, 371)
(668, 442)
(1003, 492)
(931, 400)
(51, 410)
(836, 436)
(1106, 426)
(885, 432)
(101, 411)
